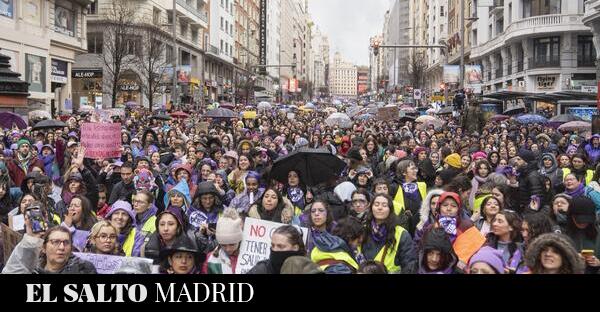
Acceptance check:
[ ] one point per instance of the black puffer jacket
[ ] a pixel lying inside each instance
(75, 265)
(530, 183)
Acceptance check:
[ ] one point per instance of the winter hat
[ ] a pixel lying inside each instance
(49, 147)
(253, 174)
(302, 142)
(491, 257)
(418, 150)
(436, 238)
(231, 154)
(75, 176)
(299, 265)
(121, 205)
(21, 142)
(453, 160)
(206, 188)
(176, 212)
(527, 155)
(70, 144)
(479, 155)
(583, 210)
(452, 195)
(229, 227)
(354, 153)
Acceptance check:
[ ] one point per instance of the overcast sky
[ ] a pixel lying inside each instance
(349, 25)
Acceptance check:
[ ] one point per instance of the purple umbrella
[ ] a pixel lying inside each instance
(7, 119)
(497, 118)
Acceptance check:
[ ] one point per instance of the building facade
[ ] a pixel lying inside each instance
(343, 80)
(144, 22)
(362, 82)
(539, 48)
(43, 38)
(218, 65)
(437, 32)
(397, 32)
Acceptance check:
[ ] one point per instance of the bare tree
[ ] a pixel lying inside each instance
(416, 69)
(117, 26)
(152, 63)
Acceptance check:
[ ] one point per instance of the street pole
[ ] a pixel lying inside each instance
(445, 85)
(462, 44)
(174, 94)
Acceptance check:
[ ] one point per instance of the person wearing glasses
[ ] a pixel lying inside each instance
(103, 240)
(46, 252)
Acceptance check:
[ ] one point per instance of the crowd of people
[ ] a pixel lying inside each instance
(466, 197)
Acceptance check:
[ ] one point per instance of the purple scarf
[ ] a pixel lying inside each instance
(379, 232)
(577, 192)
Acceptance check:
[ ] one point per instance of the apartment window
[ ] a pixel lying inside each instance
(169, 54)
(221, 45)
(540, 7)
(133, 45)
(64, 20)
(222, 23)
(499, 25)
(586, 53)
(195, 35)
(93, 8)
(155, 16)
(95, 43)
(184, 29)
(442, 11)
(546, 51)
(510, 13)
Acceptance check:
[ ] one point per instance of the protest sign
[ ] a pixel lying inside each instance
(109, 264)
(9, 240)
(101, 140)
(388, 113)
(256, 245)
(203, 126)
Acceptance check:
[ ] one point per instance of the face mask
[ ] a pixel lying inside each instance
(277, 258)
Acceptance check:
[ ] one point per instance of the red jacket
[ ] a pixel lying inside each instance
(17, 174)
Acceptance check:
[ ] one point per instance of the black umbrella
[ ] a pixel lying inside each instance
(221, 113)
(314, 166)
(162, 117)
(49, 124)
(446, 110)
(514, 111)
(406, 118)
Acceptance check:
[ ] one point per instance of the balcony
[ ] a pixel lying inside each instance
(193, 13)
(544, 62)
(586, 63)
(528, 27)
(497, 8)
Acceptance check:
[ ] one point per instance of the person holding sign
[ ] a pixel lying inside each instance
(223, 259)
(387, 242)
(286, 242)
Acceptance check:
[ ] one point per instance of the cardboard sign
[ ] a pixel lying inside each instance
(101, 140)
(388, 113)
(256, 245)
(203, 126)
(108, 264)
(17, 222)
(9, 239)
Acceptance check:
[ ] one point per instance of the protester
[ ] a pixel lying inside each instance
(553, 254)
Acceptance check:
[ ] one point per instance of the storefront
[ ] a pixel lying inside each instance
(87, 87)
(129, 90)
(59, 79)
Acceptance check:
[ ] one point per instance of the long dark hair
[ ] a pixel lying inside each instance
(538, 224)
(87, 215)
(390, 222)
(514, 221)
(328, 220)
(276, 213)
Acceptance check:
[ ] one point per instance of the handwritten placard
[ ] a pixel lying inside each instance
(109, 264)
(388, 113)
(9, 239)
(101, 140)
(256, 245)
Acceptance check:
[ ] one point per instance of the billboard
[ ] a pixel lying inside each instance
(451, 73)
(6, 8)
(474, 74)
